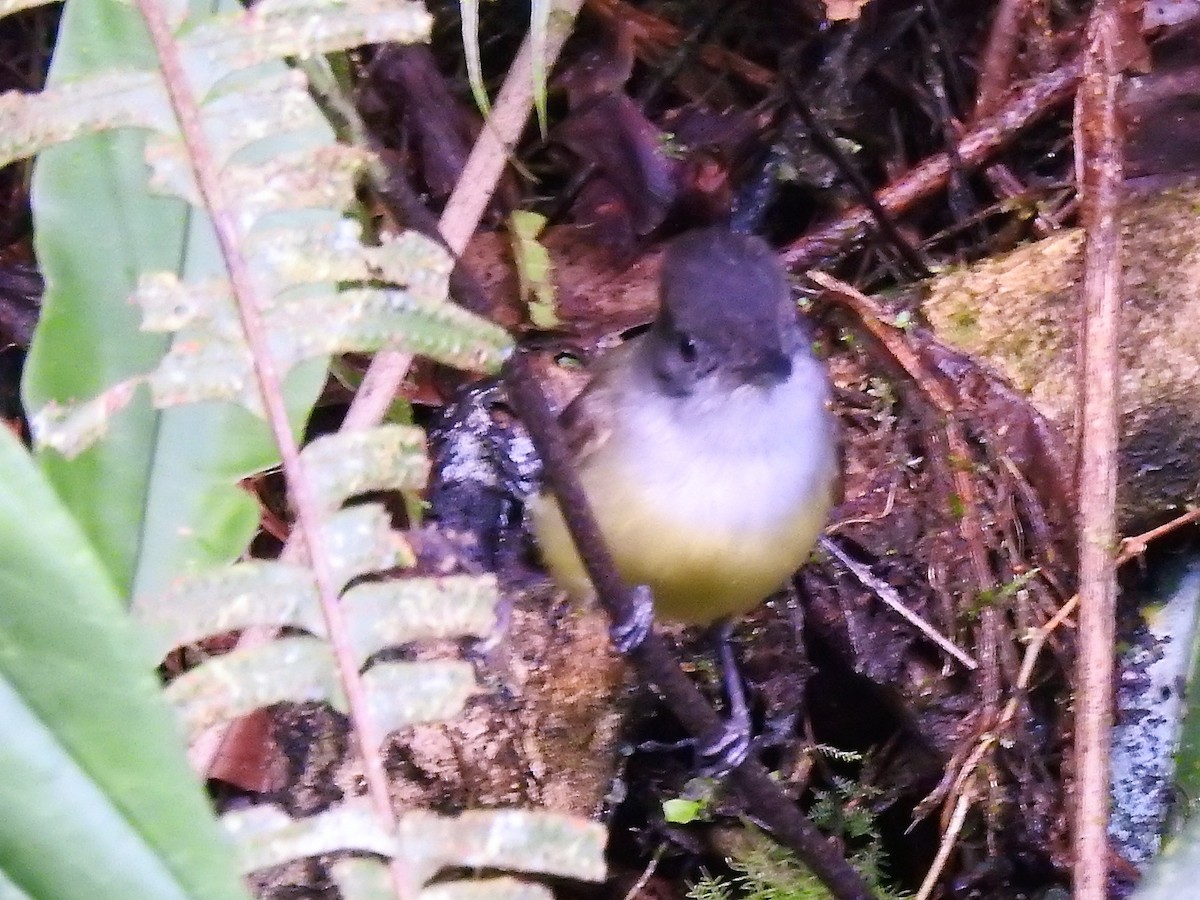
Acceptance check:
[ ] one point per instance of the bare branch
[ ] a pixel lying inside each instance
(1100, 162)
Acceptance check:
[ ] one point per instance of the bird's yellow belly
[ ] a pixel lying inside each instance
(701, 564)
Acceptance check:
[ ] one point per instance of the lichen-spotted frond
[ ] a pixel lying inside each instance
(29, 123)
(308, 318)
(271, 219)
(345, 465)
(381, 614)
(325, 252)
(289, 669)
(267, 836)
(359, 878)
(209, 360)
(276, 29)
(511, 840)
(71, 429)
(428, 843)
(371, 319)
(237, 123)
(324, 177)
(320, 253)
(169, 304)
(400, 694)
(244, 595)
(203, 365)
(361, 540)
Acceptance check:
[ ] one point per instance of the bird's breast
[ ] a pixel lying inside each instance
(712, 500)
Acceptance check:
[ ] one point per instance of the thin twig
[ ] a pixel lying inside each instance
(978, 145)
(988, 635)
(995, 76)
(957, 820)
(308, 510)
(891, 597)
(957, 782)
(654, 663)
(827, 142)
(635, 890)
(651, 33)
(1133, 547)
(1100, 160)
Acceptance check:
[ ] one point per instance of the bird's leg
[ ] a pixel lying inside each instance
(725, 751)
(720, 753)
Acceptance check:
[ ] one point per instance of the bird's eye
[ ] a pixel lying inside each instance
(687, 348)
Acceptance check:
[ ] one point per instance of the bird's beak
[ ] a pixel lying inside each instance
(766, 368)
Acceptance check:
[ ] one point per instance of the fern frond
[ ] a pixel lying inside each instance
(267, 836)
(289, 669)
(511, 839)
(264, 276)
(382, 614)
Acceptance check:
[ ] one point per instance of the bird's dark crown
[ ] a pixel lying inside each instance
(726, 308)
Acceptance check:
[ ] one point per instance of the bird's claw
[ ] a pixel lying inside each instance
(629, 633)
(722, 752)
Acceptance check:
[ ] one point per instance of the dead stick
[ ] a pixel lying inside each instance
(891, 597)
(653, 37)
(999, 54)
(1099, 156)
(1133, 547)
(970, 523)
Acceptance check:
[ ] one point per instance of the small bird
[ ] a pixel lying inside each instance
(704, 445)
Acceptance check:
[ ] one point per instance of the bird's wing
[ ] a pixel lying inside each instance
(588, 420)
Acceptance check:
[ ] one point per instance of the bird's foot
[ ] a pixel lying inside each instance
(629, 633)
(717, 754)
(721, 753)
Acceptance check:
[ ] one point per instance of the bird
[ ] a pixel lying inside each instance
(705, 445)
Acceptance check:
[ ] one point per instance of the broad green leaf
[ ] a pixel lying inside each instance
(158, 496)
(96, 799)
(9, 891)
